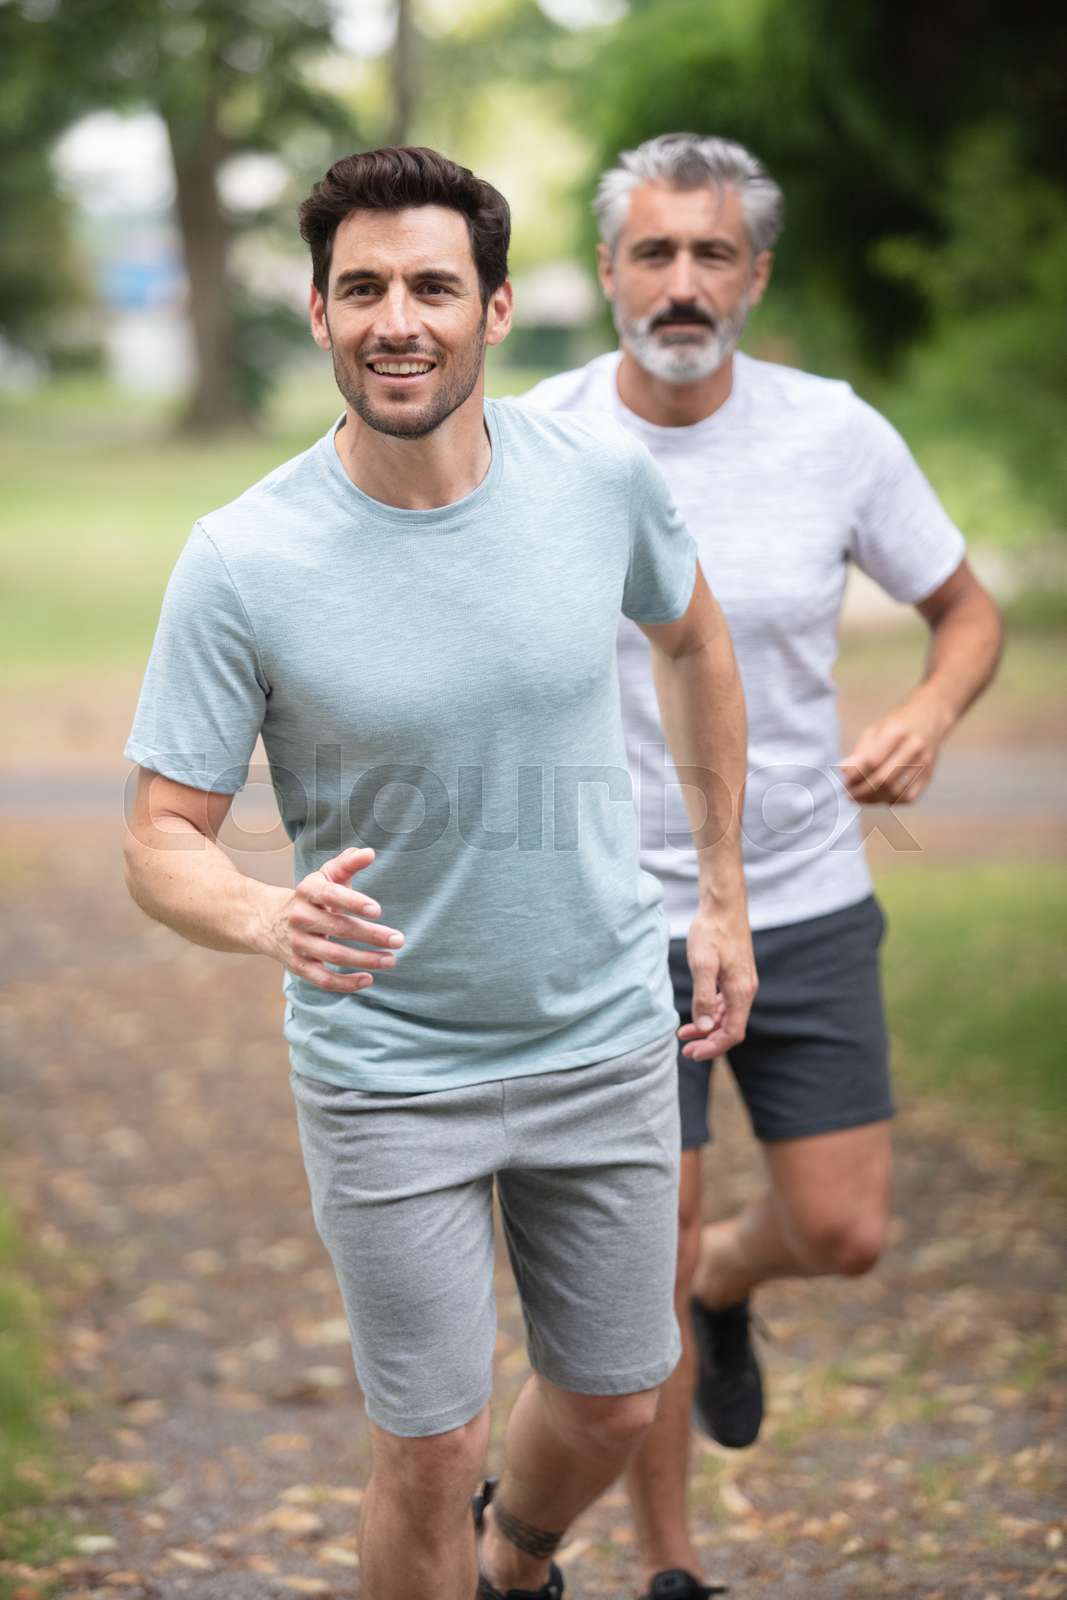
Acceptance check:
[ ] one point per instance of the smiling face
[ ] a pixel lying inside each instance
(682, 279)
(403, 317)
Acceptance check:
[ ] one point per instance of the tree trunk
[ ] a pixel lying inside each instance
(198, 150)
(403, 75)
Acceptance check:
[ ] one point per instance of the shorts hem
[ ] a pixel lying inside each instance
(424, 1427)
(838, 1125)
(612, 1383)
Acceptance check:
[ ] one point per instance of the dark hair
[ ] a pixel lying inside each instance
(396, 177)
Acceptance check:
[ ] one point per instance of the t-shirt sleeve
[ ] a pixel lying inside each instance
(902, 536)
(662, 570)
(204, 693)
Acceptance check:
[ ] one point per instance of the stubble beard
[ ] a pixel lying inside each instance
(459, 375)
(677, 357)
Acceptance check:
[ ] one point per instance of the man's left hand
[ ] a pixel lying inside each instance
(724, 981)
(894, 758)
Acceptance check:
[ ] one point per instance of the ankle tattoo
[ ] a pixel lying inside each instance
(534, 1541)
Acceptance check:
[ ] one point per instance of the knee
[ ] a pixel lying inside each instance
(607, 1424)
(845, 1247)
(435, 1473)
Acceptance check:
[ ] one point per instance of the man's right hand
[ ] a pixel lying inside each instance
(303, 930)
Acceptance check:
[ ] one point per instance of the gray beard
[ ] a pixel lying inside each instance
(676, 357)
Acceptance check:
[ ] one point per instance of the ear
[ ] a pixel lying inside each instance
(498, 314)
(605, 271)
(320, 328)
(761, 276)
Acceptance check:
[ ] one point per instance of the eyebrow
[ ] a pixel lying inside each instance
(656, 243)
(368, 275)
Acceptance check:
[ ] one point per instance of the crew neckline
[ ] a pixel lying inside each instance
(685, 432)
(424, 518)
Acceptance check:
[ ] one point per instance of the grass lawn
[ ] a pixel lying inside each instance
(974, 975)
(28, 1532)
(98, 500)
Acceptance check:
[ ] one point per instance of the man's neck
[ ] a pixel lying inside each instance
(672, 405)
(418, 474)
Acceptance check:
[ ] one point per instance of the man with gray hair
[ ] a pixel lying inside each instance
(783, 479)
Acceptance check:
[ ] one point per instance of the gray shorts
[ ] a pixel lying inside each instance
(815, 1058)
(585, 1163)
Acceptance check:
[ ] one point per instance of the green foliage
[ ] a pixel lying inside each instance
(974, 982)
(996, 284)
(27, 1476)
(39, 268)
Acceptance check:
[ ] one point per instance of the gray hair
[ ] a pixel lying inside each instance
(692, 161)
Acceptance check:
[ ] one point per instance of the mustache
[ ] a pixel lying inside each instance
(400, 353)
(679, 313)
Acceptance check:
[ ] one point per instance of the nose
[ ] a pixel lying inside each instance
(397, 321)
(681, 282)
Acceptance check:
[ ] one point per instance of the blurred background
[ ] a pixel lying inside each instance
(154, 361)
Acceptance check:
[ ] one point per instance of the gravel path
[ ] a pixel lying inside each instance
(215, 1433)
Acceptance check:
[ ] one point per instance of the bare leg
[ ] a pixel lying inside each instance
(561, 1452)
(657, 1478)
(826, 1212)
(416, 1538)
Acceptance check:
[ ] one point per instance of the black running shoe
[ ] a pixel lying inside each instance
(552, 1590)
(729, 1391)
(679, 1585)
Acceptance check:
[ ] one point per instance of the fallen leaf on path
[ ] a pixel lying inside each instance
(205, 1263)
(94, 1544)
(306, 1585)
(240, 1400)
(283, 1255)
(289, 1519)
(347, 1497)
(338, 1556)
(333, 1331)
(312, 1388)
(736, 1503)
(119, 1479)
(192, 1558)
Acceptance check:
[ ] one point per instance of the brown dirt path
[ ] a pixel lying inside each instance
(216, 1436)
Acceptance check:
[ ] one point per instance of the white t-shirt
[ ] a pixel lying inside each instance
(790, 480)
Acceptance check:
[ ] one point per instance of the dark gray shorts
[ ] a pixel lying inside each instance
(585, 1163)
(815, 1058)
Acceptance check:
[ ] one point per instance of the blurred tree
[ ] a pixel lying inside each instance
(404, 74)
(39, 267)
(227, 77)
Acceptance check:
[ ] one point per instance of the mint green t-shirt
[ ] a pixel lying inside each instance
(442, 685)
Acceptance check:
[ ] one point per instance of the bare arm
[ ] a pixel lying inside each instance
(702, 709)
(179, 875)
(894, 757)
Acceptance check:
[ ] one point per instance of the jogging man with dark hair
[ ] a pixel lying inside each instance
(419, 615)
